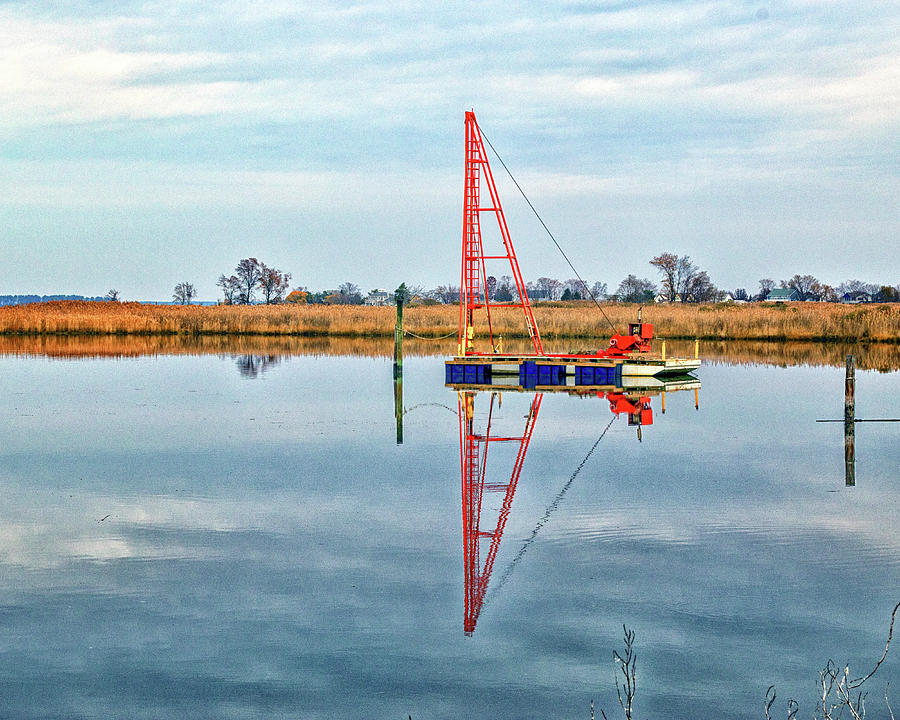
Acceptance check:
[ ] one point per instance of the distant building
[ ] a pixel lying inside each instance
(379, 297)
(857, 296)
(783, 295)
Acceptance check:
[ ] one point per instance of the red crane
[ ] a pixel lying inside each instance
(473, 293)
(473, 449)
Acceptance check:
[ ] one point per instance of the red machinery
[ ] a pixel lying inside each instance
(638, 409)
(473, 294)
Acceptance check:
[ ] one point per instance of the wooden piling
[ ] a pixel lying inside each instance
(398, 337)
(850, 423)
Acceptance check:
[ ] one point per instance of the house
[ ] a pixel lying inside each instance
(730, 298)
(857, 296)
(379, 297)
(783, 295)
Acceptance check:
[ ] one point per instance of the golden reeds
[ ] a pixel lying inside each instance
(562, 321)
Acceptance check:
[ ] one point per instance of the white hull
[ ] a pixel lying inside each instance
(669, 366)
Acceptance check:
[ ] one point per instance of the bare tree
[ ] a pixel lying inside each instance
(490, 286)
(635, 289)
(274, 284)
(350, 294)
(766, 285)
(550, 288)
(184, 293)
(446, 294)
(248, 273)
(667, 264)
(231, 287)
(678, 273)
(599, 291)
(700, 289)
(113, 295)
(807, 287)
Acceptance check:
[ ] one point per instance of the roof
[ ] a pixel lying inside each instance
(782, 294)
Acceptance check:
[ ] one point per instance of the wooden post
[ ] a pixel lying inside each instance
(850, 423)
(398, 338)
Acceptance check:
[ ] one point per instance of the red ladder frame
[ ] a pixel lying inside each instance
(473, 459)
(473, 277)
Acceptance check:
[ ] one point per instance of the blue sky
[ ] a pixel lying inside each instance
(145, 143)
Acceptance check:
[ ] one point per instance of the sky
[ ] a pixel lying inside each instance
(147, 143)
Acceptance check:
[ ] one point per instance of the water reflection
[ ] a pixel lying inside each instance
(252, 366)
(483, 521)
(883, 357)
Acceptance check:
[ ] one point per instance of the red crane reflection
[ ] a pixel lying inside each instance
(473, 459)
(480, 547)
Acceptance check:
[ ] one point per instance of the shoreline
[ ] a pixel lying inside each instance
(807, 322)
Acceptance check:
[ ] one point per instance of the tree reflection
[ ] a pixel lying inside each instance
(252, 366)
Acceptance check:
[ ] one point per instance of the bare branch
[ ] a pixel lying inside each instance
(859, 681)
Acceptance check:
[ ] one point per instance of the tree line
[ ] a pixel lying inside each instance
(680, 280)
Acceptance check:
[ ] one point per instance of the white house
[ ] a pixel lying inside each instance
(379, 297)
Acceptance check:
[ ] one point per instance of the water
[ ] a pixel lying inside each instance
(241, 536)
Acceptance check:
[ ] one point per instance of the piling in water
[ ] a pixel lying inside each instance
(849, 422)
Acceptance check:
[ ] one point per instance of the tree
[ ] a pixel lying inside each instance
(490, 286)
(678, 274)
(599, 291)
(113, 295)
(184, 293)
(740, 294)
(274, 284)
(667, 264)
(807, 287)
(248, 273)
(297, 297)
(887, 293)
(506, 289)
(349, 294)
(446, 294)
(231, 288)
(634, 289)
(766, 285)
(549, 288)
(700, 289)
(829, 294)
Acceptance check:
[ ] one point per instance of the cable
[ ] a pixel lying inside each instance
(422, 337)
(537, 215)
(543, 521)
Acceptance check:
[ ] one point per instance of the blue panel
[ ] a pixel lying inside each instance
(457, 374)
(469, 374)
(529, 373)
(448, 373)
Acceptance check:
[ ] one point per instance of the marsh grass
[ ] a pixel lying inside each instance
(557, 321)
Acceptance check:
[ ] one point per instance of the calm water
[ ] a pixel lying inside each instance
(220, 536)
